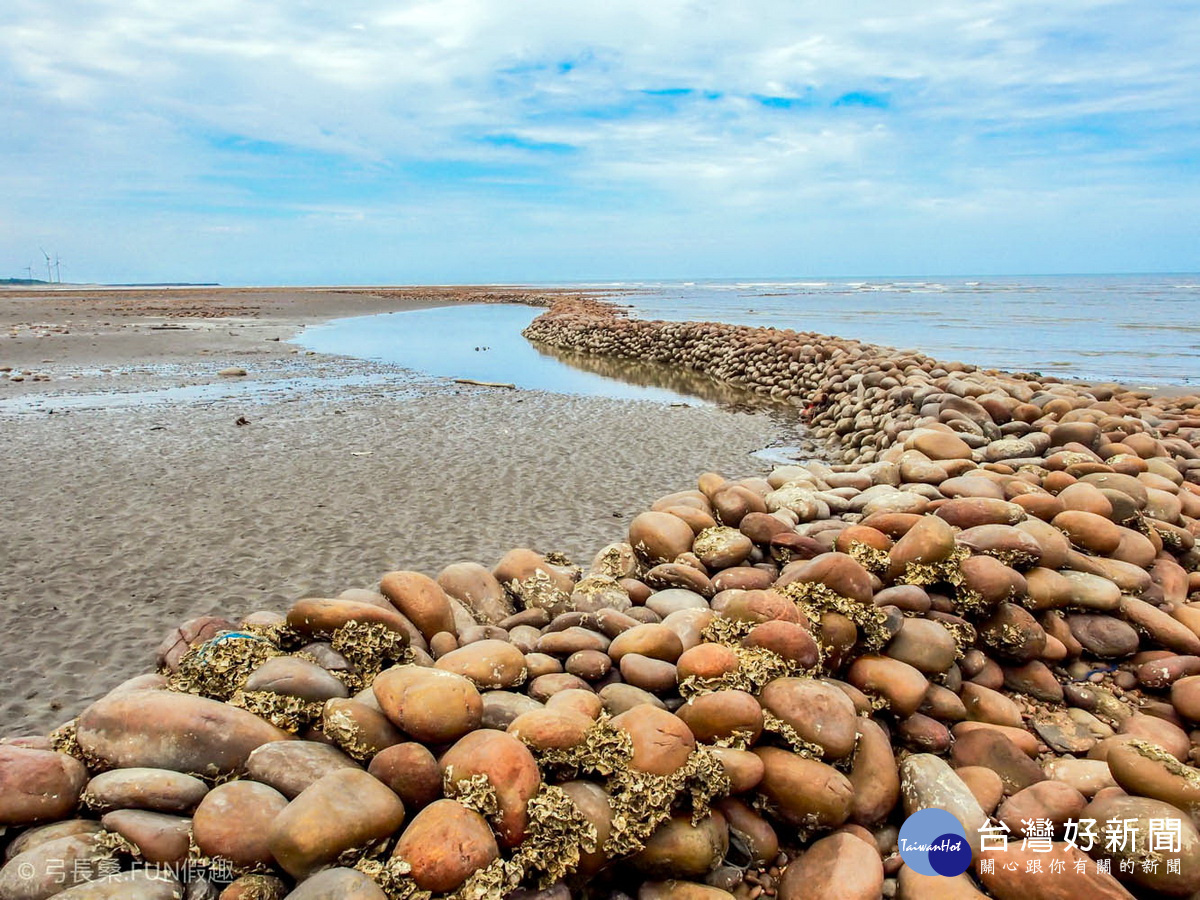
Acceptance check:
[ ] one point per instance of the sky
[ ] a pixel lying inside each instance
(473, 141)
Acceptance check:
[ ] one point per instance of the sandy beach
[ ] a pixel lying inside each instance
(119, 523)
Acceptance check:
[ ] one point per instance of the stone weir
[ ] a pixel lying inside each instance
(863, 398)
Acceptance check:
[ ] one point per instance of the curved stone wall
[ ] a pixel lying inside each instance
(863, 398)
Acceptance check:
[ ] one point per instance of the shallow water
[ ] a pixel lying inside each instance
(248, 390)
(484, 343)
(1143, 329)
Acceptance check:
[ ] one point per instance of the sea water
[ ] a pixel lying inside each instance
(1137, 329)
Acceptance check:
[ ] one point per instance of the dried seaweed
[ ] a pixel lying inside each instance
(1007, 639)
(724, 630)
(280, 634)
(757, 666)
(799, 745)
(613, 563)
(714, 540)
(558, 834)
(342, 728)
(602, 591)
(347, 858)
(539, 591)
(602, 751)
(948, 570)
(1014, 559)
(282, 710)
(65, 739)
(474, 792)
(494, 880)
(218, 667)
(370, 647)
(870, 558)
(964, 633)
(117, 844)
(641, 801)
(973, 603)
(1172, 540)
(393, 877)
(739, 739)
(708, 781)
(815, 598)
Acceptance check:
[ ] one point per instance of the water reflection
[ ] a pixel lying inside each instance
(677, 379)
(485, 343)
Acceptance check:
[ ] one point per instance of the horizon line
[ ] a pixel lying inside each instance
(598, 281)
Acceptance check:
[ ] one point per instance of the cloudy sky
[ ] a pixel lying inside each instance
(297, 141)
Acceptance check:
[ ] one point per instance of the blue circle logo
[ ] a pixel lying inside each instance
(933, 842)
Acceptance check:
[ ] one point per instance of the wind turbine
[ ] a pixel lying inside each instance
(29, 270)
(49, 277)
(57, 268)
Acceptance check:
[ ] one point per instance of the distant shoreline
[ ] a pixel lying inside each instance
(279, 313)
(70, 285)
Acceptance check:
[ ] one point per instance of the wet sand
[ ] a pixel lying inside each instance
(118, 523)
(73, 333)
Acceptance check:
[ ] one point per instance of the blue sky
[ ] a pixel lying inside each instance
(292, 142)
